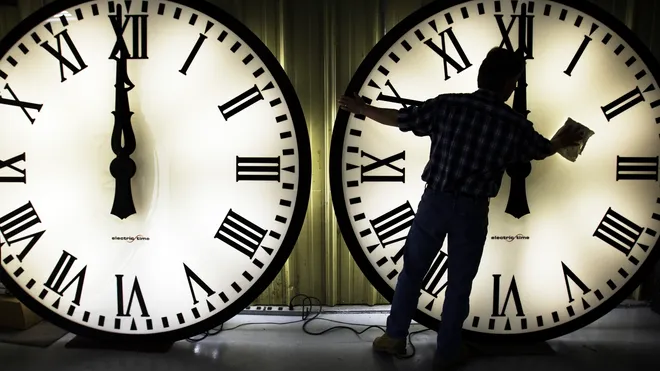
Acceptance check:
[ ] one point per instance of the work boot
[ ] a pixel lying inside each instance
(390, 345)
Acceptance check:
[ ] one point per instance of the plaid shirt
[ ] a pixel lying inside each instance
(474, 137)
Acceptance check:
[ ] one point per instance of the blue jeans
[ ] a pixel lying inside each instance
(464, 220)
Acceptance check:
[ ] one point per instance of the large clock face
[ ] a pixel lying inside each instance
(593, 224)
(154, 166)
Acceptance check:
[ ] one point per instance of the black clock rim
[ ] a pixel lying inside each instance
(343, 217)
(301, 201)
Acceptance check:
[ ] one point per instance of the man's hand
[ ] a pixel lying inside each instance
(353, 104)
(357, 106)
(568, 136)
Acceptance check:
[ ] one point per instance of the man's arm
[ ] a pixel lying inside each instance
(357, 106)
(419, 119)
(385, 116)
(534, 146)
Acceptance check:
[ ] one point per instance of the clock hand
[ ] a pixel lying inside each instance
(517, 205)
(122, 168)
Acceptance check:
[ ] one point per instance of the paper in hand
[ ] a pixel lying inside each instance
(572, 153)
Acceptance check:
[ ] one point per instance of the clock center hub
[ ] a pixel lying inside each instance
(123, 167)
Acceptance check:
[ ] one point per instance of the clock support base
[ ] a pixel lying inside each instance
(80, 342)
(511, 350)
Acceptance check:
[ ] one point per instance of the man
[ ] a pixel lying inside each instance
(474, 137)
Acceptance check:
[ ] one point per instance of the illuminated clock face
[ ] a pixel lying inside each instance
(154, 167)
(592, 224)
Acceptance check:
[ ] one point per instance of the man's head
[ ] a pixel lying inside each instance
(500, 71)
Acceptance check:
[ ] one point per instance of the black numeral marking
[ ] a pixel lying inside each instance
(60, 57)
(527, 43)
(513, 291)
(136, 292)
(637, 168)
(241, 234)
(17, 222)
(578, 55)
(580, 51)
(396, 98)
(618, 232)
(60, 273)
(386, 162)
(192, 276)
(436, 274)
(622, 104)
(241, 102)
(442, 52)
(258, 169)
(193, 53)
(573, 277)
(10, 164)
(138, 35)
(393, 227)
(24, 106)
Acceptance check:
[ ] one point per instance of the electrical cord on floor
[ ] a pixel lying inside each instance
(307, 318)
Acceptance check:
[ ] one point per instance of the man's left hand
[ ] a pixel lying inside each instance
(353, 104)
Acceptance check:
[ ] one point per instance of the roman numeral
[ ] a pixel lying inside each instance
(60, 274)
(10, 164)
(378, 163)
(578, 55)
(193, 53)
(241, 234)
(569, 274)
(258, 169)
(192, 276)
(24, 106)
(622, 104)
(58, 54)
(241, 102)
(637, 168)
(396, 98)
(136, 293)
(618, 232)
(436, 274)
(527, 41)
(513, 291)
(138, 32)
(442, 52)
(393, 226)
(17, 222)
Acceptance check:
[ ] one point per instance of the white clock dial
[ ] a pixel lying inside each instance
(593, 225)
(221, 166)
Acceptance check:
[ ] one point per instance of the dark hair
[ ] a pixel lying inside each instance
(499, 66)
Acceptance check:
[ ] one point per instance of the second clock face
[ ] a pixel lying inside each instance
(222, 163)
(592, 223)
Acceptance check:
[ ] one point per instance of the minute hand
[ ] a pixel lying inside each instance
(517, 205)
(122, 113)
(122, 168)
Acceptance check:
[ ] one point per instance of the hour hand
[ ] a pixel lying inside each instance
(123, 142)
(517, 206)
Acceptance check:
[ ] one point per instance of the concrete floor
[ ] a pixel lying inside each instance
(627, 339)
